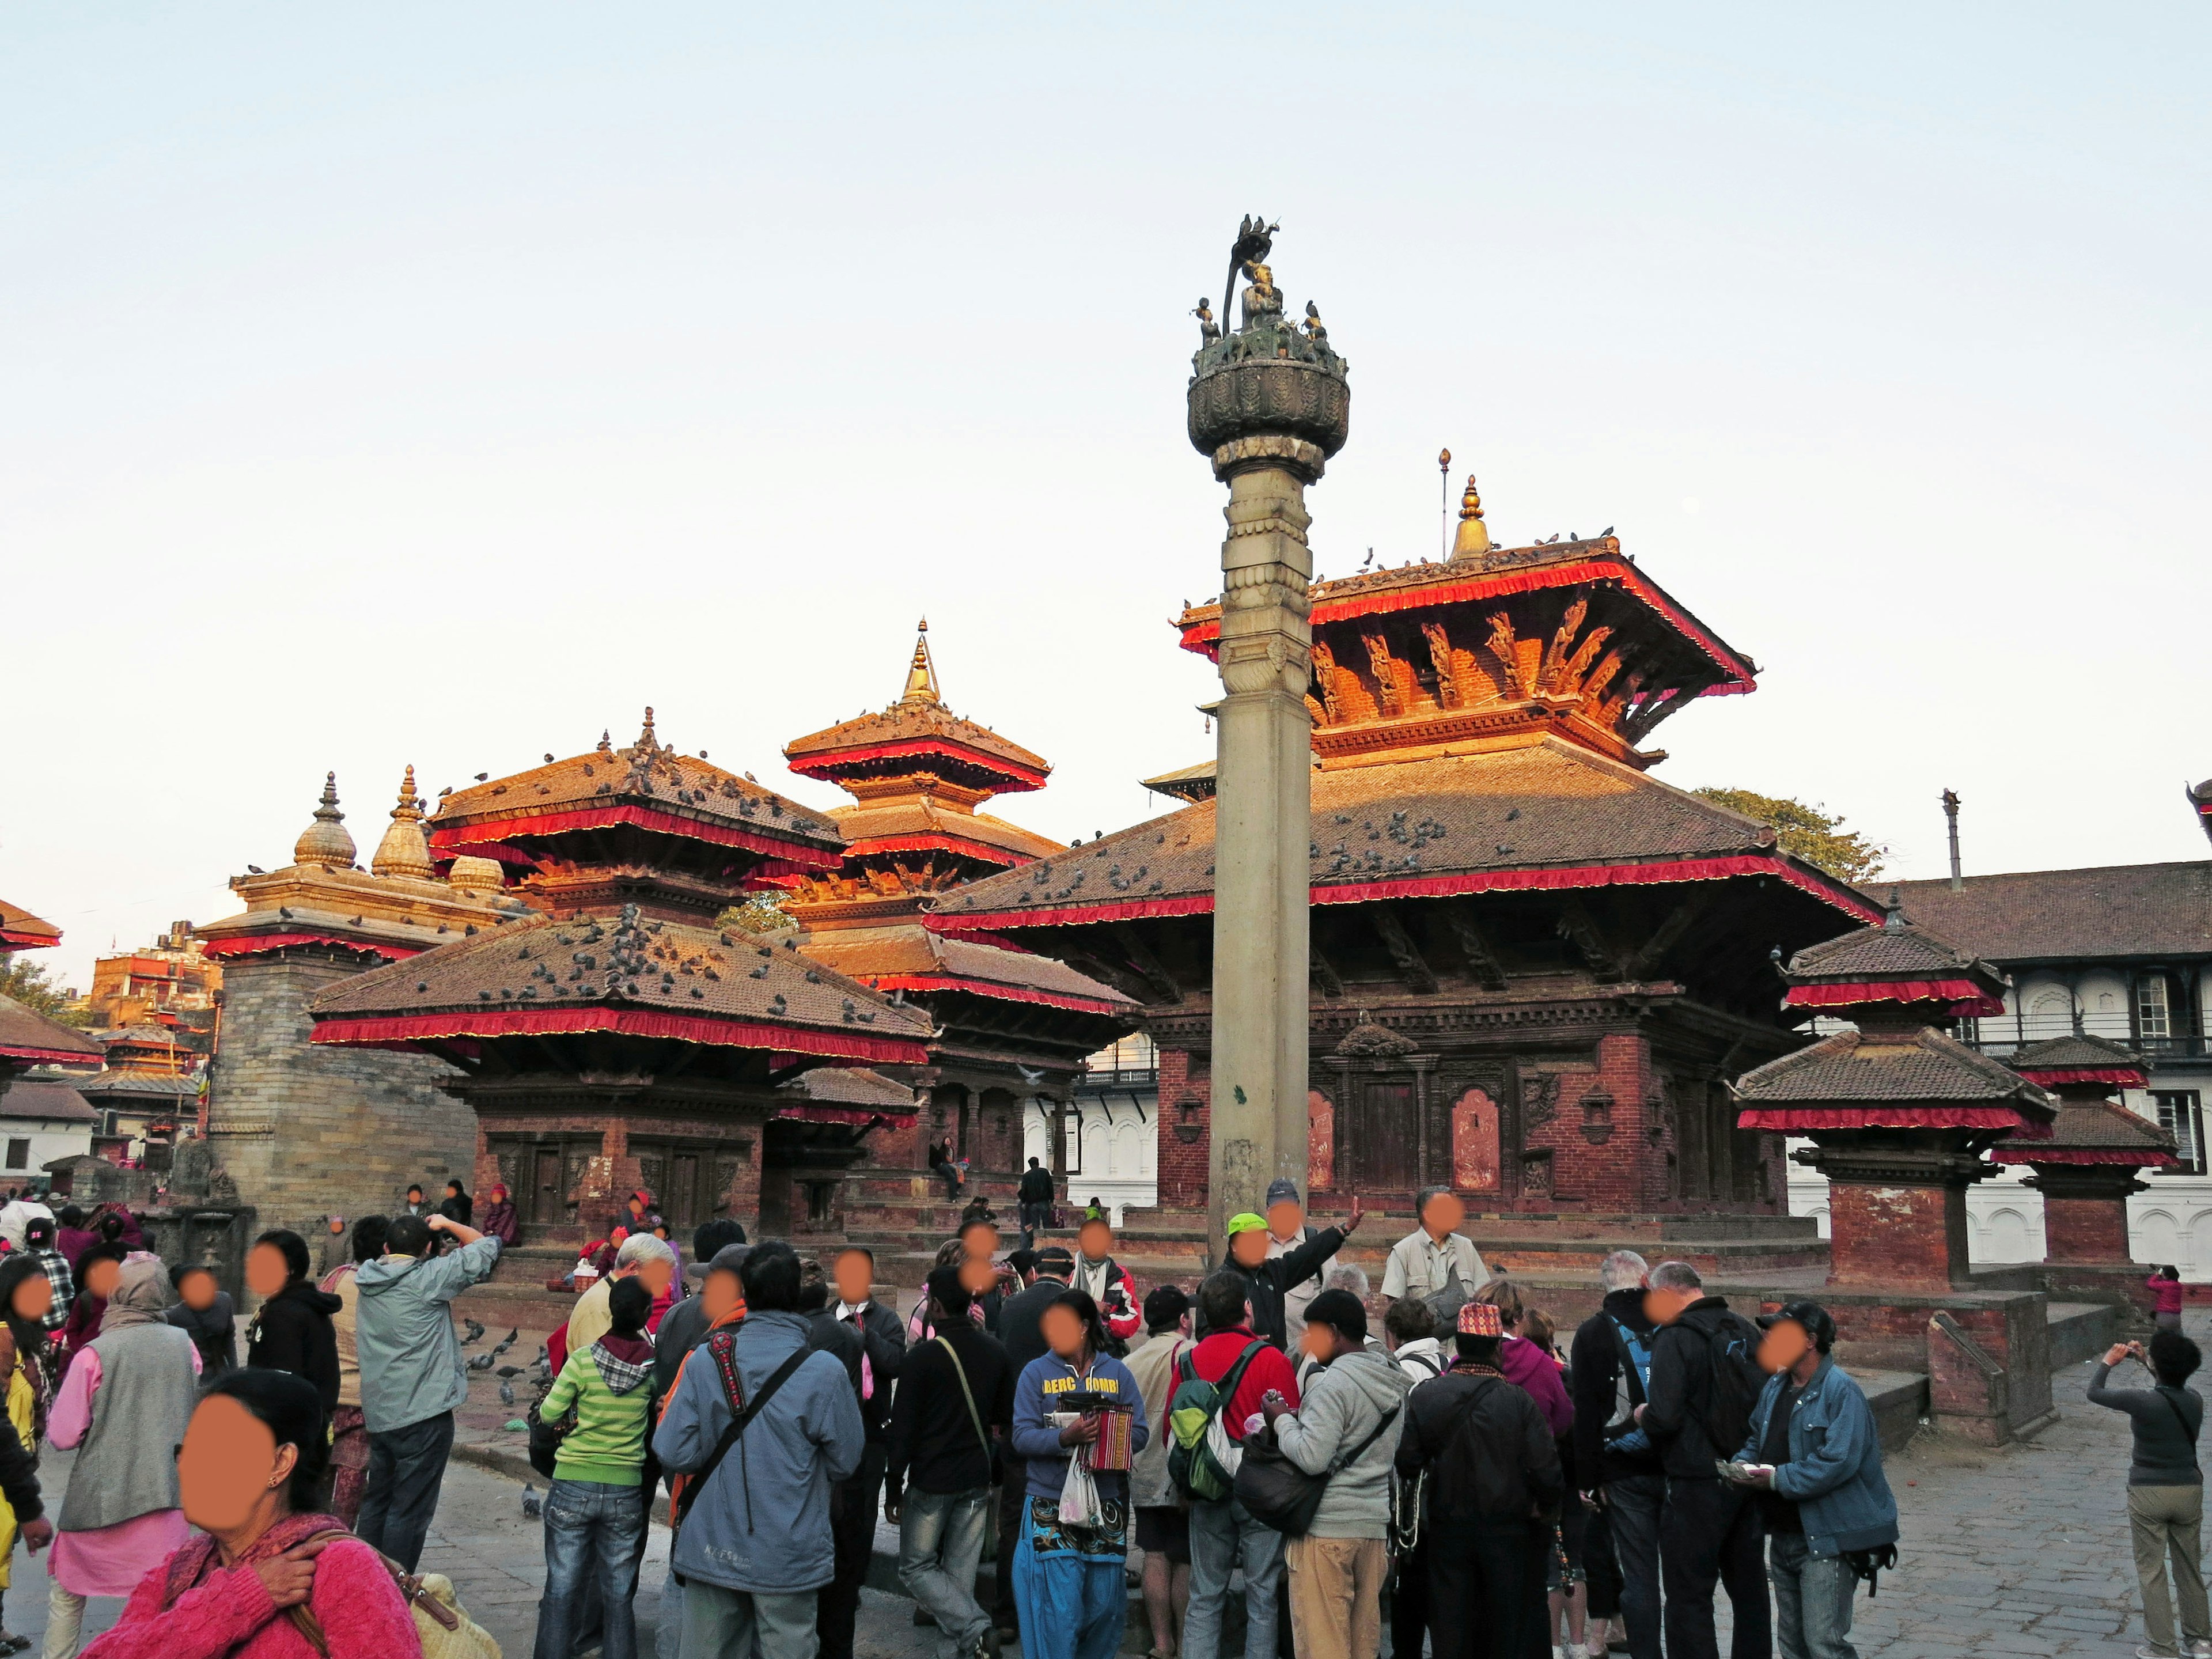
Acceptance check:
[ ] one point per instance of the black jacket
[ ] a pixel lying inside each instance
(1682, 1388)
(932, 1438)
(1037, 1187)
(293, 1332)
(883, 1340)
(1595, 1363)
(1505, 1430)
(1264, 1284)
(1021, 1320)
(214, 1332)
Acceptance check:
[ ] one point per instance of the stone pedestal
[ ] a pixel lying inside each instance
(1265, 768)
(1896, 1210)
(2085, 1212)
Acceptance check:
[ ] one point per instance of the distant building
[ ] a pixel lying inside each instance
(42, 1119)
(1112, 1130)
(156, 982)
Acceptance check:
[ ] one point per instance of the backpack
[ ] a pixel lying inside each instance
(1202, 1462)
(1732, 1343)
(442, 1625)
(1632, 1386)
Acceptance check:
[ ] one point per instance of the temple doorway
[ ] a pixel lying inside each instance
(1383, 1136)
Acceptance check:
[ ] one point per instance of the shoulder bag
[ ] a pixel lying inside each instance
(974, 1418)
(1278, 1493)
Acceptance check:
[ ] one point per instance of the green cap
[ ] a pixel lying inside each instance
(1246, 1223)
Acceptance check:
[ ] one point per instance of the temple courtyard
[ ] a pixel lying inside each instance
(2021, 1551)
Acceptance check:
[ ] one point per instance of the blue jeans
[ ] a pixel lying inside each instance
(940, 1542)
(1632, 1515)
(1812, 1600)
(1224, 1536)
(591, 1531)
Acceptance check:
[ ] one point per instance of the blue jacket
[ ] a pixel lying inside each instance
(1042, 1388)
(763, 1523)
(410, 1356)
(1834, 1472)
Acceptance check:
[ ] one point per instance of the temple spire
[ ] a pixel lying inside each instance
(645, 738)
(1473, 539)
(325, 840)
(920, 673)
(404, 851)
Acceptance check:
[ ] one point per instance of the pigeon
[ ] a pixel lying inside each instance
(481, 1363)
(507, 1373)
(470, 1332)
(481, 776)
(508, 1341)
(549, 758)
(255, 870)
(1607, 530)
(532, 1505)
(1028, 1076)
(506, 1394)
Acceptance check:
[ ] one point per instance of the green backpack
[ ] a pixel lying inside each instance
(1195, 1461)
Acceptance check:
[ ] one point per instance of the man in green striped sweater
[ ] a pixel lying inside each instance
(595, 1510)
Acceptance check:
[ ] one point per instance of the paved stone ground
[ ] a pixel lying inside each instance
(2021, 1551)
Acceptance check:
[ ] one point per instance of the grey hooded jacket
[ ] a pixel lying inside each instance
(1349, 1396)
(411, 1359)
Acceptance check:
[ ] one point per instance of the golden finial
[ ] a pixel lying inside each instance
(1473, 539)
(920, 671)
(325, 841)
(645, 738)
(404, 851)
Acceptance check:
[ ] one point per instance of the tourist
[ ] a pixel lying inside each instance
(1107, 1283)
(870, 1365)
(955, 1394)
(1021, 1331)
(1345, 1432)
(1268, 1278)
(1286, 1232)
(72, 1237)
(348, 1459)
(336, 1247)
(457, 1205)
(1566, 1575)
(754, 1546)
(1162, 1523)
(411, 1375)
(291, 1330)
(1069, 1574)
(2165, 1487)
(414, 1205)
(203, 1310)
(688, 1320)
(919, 1328)
(595, 1509)
(642, 1255)
(1705, 1381)
(23, 1289)
(123, 1407)
(95, 1270)
(1623, 1480)
(41, 1238)
(1035, 1195)
(2165, 1287)
(1409, 1333)
(1224, 1535)
(15, 1218)
(1494, 1490)
(1814, 1456)
(1522, 1363)
(1435, 1262)
(500, 1219)
(940, 1165)
(264, 1567)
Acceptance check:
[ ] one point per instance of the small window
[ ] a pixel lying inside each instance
(19, 1153)
(2181, 1115)
(2150, 1007)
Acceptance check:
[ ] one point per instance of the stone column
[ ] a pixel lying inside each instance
(1896, 1210)
(2085, 1212)
(1264, 805)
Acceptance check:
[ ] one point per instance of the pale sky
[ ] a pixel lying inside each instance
(444, 384)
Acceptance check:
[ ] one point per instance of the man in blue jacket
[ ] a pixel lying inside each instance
(1814, 1455)
(755, 1547)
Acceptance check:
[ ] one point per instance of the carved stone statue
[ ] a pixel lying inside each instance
(1209, 329)
(1255, 237)
(1263, 306)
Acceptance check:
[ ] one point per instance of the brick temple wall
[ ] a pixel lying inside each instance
(2085, 1229)
(309, 1132)
(1184, 1077)
(1906, 1238)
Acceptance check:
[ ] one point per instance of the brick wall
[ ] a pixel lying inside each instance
(2085, 1229)
(1904, 1238)
(309, 1132)
(1182, 1164)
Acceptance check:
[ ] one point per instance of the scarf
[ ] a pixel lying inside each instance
(141, 1296)
(197, 1557)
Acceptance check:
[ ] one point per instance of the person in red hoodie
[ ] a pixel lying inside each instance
(2165, 1286)
(1223, 1534)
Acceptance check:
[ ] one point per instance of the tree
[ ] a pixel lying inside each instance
(1814, 835)
(33, 985)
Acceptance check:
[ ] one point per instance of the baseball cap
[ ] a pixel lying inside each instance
(1816, 1320)
(1246, 1223)
(1281, 1188)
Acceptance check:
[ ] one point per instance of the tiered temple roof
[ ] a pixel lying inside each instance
(1895, 963)
(21, 931)
(2093, 1128)
(28, 1038)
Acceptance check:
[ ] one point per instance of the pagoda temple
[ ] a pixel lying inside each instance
(28, 1038)
(621, 1035)
(2086, 1167)
(1533, 967)
(309, 1132)
(1013, 1028)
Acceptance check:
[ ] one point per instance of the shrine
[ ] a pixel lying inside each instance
(28, 1038)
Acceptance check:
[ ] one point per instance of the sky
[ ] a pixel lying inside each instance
(445, 385)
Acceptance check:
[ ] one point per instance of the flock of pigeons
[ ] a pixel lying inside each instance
(473, 1332)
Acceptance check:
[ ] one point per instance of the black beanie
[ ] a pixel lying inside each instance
(1341, 1312)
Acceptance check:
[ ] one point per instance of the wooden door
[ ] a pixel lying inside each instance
(1384, 1138)
(682, 1207)
(545, 1194)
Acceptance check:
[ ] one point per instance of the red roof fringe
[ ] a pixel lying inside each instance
(51, 1056)
(2123, 1077)
(927, 842)
(1198, 637)
(984, 987)
(828, 761)
(859, 1116)
(16, 941)
(1796, 1120)
(249, 944)
(1964, 996)
(2146, 1158)
(1443, 886)
(644, 817)
(629, 1021)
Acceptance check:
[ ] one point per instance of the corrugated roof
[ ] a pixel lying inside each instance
(2045, 915)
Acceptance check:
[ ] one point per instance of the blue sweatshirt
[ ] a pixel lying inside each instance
(1045, 1387)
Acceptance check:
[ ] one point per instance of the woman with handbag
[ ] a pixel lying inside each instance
(1069, 1559)
(1344, 1434)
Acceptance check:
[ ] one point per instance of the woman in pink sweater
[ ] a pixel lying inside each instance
(262, 1582)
